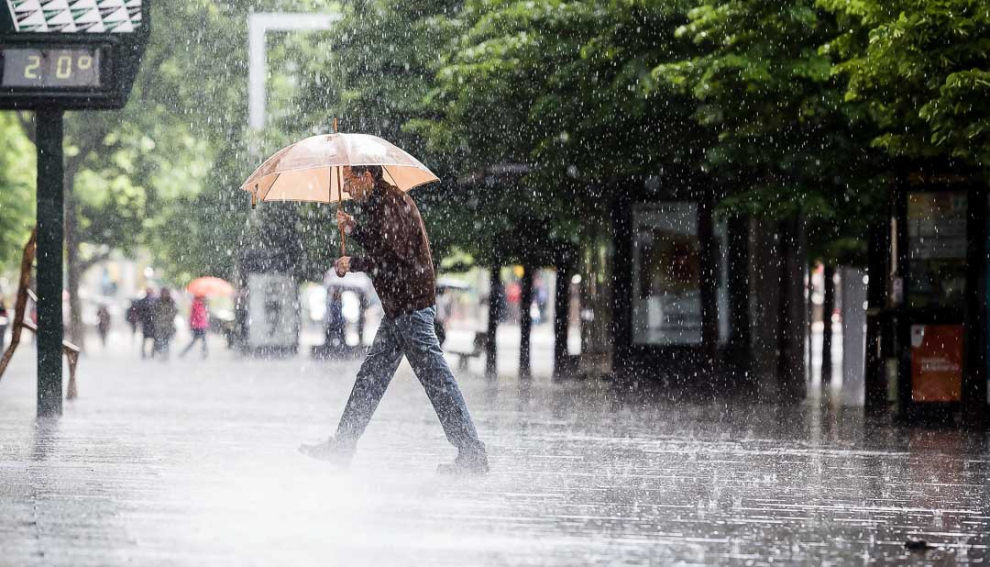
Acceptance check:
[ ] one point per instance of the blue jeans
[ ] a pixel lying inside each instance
(411, 335)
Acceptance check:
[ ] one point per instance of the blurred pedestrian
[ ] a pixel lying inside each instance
(103, 324)
(144, 309)
(334, 339)
(199, 323)
(400, 264)
(133, 318)
(541, 297)
(164, 313)
(4, 323)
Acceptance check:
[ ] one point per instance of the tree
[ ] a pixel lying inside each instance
(786, 142)
(789, 142)
(17, 189)
(577, 111)
(922, 69)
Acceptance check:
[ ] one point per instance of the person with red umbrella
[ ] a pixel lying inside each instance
(199, 313)
(199, 322)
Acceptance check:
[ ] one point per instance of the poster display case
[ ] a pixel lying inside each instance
(937, 302)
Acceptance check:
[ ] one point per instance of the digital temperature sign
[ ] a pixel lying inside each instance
(70, 55)
(51, 67)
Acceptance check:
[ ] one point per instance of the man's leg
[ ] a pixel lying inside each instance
(373, 378)
(422, 348)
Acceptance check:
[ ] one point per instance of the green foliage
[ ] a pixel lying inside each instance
(788, 140)
(767, 91)
(17, 189)
(922, 68)
(544, 107)
(532, 114)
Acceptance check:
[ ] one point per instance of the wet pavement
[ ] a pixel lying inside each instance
(191, 463)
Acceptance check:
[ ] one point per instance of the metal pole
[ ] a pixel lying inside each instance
(258, 25)
(51, 219)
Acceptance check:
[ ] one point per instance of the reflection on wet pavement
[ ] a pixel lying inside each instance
(196, 464)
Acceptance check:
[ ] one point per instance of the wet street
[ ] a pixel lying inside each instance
(191, 463)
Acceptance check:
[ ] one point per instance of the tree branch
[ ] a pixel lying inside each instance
(90, 262)
(28, 124)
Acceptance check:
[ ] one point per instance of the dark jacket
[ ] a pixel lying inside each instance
(144, 309)
(397, 252)
(163, 315)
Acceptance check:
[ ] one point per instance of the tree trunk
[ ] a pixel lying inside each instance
(739, 352)
(76, 329)
(20, 303)
(791, 375)
(494, 314)
(561, 315)
(828, 307)
(875, 398)
(525, 322)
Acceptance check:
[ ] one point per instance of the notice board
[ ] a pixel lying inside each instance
(936, 363)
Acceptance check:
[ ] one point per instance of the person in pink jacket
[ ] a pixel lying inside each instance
(199, 322)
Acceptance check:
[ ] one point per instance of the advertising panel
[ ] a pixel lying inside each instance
(936, 363)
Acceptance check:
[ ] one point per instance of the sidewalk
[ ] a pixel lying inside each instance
(188, 463)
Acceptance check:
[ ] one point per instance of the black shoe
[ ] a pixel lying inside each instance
(473, 463)
(332, 450)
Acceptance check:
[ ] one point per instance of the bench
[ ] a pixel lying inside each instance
(478, 349)
(21, 322)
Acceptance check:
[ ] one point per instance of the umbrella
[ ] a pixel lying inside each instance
(311, 170)
(202, 287)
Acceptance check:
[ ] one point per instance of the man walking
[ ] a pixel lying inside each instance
(400, 264)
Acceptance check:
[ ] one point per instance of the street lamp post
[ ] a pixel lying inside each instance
(259, 272)
(259, 25)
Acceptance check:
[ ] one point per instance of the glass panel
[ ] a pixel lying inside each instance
(936, 225)
(666, 273)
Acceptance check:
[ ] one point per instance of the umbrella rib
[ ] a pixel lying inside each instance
(390, 176)
(345, 149)
(274, 156)
(330, 183)
(272, 186)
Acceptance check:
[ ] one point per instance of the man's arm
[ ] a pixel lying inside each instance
(350, 227)
(358, 234)
(365, 264)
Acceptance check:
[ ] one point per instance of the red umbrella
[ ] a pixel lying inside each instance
(207, 286)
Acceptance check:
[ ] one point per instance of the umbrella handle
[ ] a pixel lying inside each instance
(343, 235)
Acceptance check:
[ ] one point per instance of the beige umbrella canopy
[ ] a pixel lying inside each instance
(310, 170)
